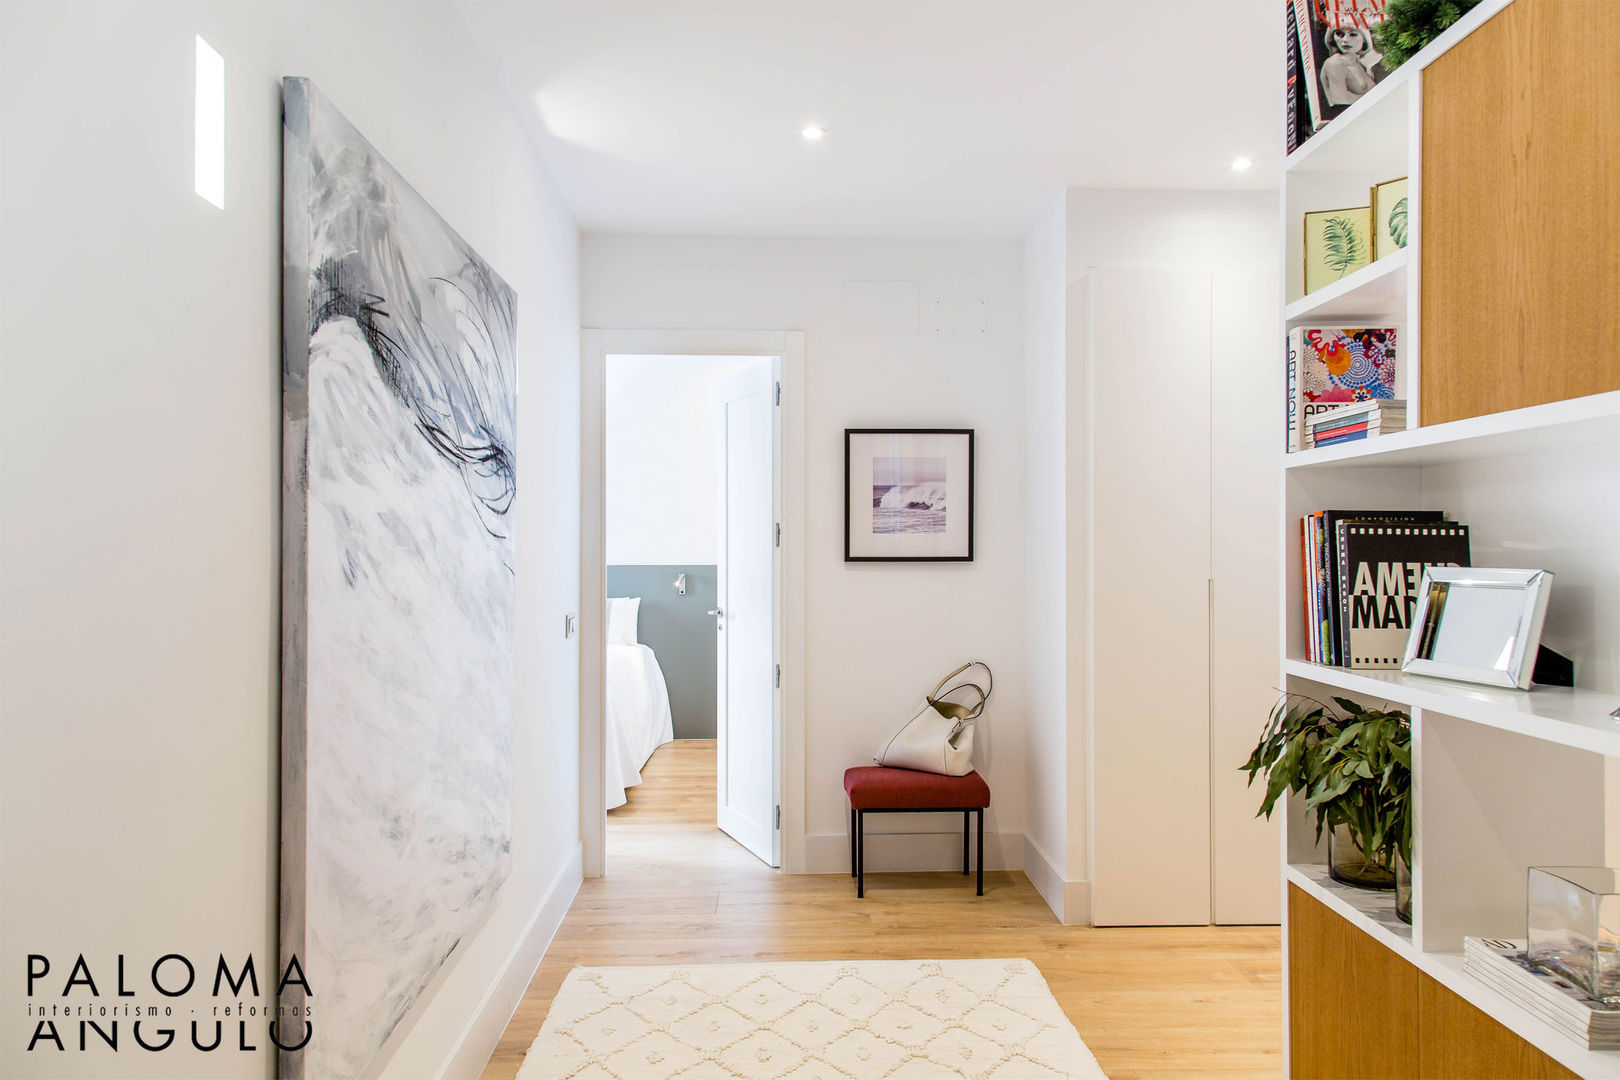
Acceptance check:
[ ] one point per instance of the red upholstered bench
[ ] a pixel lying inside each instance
(875, 789)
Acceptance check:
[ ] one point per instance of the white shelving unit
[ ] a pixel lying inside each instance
(1503, 779)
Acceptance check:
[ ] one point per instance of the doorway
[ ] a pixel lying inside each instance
(693, 490)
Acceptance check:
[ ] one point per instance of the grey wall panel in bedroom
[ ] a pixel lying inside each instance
(681, 632)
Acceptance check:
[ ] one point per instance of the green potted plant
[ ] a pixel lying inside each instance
(1411, 24)
(1354, 767)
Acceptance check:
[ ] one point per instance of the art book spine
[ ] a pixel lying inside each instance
(1380, 572)
(1293, 438)
(1291, 130)
(1318, 523)
(1308, 64)
(1305, 587)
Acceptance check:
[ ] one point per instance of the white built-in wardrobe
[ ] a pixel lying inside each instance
(1175, 548)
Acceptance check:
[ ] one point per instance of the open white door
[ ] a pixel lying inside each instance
(748, 721)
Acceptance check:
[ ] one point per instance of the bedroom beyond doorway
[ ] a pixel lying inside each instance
(690, 502)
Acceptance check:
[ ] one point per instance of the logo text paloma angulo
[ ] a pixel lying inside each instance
(81, 1017)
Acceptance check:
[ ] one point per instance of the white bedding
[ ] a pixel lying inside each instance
(638, 717)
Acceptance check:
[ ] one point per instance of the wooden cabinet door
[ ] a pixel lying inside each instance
(1461, 1043)
(1520, 284)
(1352, 1003)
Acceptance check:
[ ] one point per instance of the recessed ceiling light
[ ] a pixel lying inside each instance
(814, 133)
(1242, 164)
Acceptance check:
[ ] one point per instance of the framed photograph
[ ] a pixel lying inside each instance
(908, 495)
(1388, 217)
(1337, 242)
(1478, 625)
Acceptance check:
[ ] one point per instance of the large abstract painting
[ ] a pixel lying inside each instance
(399, 477)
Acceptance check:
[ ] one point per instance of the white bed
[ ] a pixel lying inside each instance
(637, 713)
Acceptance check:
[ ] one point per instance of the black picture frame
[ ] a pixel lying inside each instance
(849, 436)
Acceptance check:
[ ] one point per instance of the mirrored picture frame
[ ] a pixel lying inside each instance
(1478, 624)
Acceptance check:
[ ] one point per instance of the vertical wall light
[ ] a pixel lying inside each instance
(209, 146)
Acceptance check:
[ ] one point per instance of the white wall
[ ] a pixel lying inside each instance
(877, 636)
(1234, 236)
(662, 458)
(1046, 434)
(140, 367)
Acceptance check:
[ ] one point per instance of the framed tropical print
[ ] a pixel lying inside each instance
(1337, 243)
(908, 495)
(1388, 217)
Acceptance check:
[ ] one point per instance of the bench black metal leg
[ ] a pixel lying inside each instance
(860, 854)
(852, 841)
(967, 817)
(981, 852)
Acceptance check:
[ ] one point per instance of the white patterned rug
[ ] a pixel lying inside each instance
(843, 1020)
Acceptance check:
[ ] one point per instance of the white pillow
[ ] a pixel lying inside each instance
(623, 611)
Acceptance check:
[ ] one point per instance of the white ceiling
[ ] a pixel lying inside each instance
(944, 119)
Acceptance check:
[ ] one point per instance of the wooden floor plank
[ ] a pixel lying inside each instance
(1153, 1003)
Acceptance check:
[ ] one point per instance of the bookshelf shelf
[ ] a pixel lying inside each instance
(1565, 716)
(1578, 422)
(1372, 911)
(1502, 779)
(1376, 292)
(1374, 914)
(1363, 136)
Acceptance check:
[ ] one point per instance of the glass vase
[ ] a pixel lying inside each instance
(1403, 890)
(1574, 926)
(1349, 864)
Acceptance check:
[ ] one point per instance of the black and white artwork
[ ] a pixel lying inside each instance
(399, 480)
(908, 495)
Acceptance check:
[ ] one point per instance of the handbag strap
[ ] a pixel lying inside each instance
(937, 697)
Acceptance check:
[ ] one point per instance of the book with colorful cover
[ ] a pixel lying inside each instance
(1333, 366)
(1338, 59)
(1355, 434)
(1380, 571)
(1319, 622)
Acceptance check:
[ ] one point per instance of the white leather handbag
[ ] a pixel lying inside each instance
(939, 736)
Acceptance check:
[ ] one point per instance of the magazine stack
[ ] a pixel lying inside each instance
(1553, 1000)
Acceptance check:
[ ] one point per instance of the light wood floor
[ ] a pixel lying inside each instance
(1150, 1002)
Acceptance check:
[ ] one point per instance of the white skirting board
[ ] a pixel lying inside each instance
(903, 852)
(483, 1031)
(1070, 901)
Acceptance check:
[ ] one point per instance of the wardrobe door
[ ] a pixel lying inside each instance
(1520, 289)
(1148, 334)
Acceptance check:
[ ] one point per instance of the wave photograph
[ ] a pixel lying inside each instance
(908, 495)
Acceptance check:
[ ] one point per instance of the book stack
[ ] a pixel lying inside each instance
(1362, 571)
(1554, 1000)
(1333, 366)
(1359, 420)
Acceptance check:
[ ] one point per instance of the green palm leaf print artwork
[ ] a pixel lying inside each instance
(1397, 221)
(1344, 248)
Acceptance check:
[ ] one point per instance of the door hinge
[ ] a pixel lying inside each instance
(779, 676)
(778, 534)
(778, 817)
(779, 393)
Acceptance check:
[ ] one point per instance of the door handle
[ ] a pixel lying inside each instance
(717, 611)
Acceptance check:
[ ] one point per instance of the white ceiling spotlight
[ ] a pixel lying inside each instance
(1242, 164)
(813, 133)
